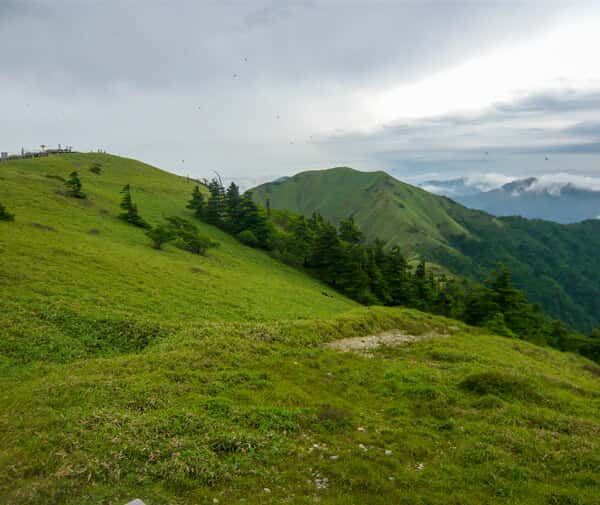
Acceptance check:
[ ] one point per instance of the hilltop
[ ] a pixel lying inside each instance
(556, 265)
(127, 372)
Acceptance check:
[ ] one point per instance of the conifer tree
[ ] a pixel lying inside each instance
(301, 242)
(254, 220)
(215, 207)
(398, 279)
(351, 277)
(5, 215)
(73, 185)
(326, 253)
(130, 214)
(349, 232)
(233, 206)
(377, 282)
(197, 203)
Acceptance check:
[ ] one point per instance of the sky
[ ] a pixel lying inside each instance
(259, 89)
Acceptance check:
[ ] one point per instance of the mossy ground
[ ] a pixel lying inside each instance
(124, 373)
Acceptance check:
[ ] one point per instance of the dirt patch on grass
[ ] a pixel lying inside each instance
(372, 342)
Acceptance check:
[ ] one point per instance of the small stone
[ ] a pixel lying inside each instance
(266, 490)
(388, 452)
(333, 458)
(361, 428)
(362, 447)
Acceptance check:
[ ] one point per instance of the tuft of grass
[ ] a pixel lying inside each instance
(499, 384)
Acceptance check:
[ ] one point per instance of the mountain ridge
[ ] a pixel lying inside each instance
(564, 280)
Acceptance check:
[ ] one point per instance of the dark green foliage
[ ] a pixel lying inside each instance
(130, 214)
(5, 215)
(96, 168)
(187, 237)
(349, 232)
(234, 213)
(197, 203)
(73, 185)
(160, 235)
(248, 238)
(215, 208)
(233, 203)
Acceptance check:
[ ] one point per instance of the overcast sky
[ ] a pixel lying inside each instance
(259, 89)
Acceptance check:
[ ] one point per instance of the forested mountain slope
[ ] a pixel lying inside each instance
(557, 265)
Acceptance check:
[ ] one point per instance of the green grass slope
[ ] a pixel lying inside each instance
(557, 265)
(128, 372)
(67, 263)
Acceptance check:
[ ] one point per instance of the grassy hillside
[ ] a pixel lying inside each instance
(413, 217)
(129, 372)
(556, 265)
(67, 263)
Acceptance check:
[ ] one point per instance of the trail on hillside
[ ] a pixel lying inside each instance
(372, 342)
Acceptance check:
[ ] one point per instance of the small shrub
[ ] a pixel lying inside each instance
(5, 215)
(187, 237)
(248, 238)
(96, 168)
(73, 185)
(160, 235)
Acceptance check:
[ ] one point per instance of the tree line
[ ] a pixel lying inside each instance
(371, 274)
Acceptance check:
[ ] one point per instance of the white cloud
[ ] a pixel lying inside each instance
(554, 184)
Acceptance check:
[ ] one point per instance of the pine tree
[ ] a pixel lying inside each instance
(73, 185)
(377, 282)
(254, 220)
(349, 232)
(130, 214)
(397, 277)
(302, 240)
(197, 203)
(233, 206)
(351, 277)
(326, 253)
(5, 215)
(215, 207)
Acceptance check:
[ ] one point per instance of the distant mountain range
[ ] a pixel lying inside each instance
(557, 265)
(534, 198)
